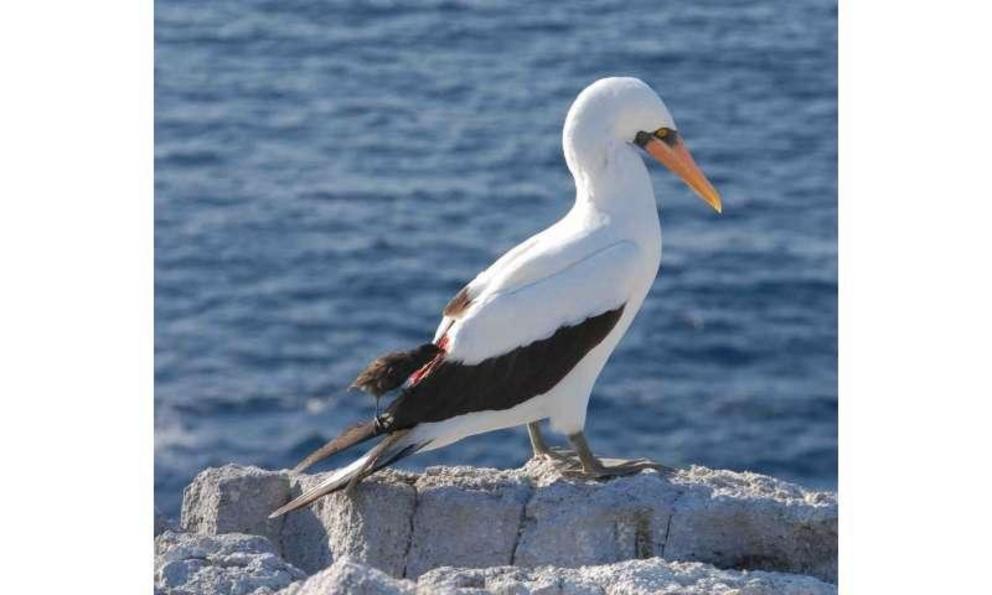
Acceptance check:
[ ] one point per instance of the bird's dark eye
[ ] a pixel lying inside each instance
(642, 138)
(665, 135)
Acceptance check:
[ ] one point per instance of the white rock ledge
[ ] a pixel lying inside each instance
(407, 525)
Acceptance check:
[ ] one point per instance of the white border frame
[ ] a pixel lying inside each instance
(76, 305)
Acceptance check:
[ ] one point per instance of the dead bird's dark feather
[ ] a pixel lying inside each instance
(390, 371)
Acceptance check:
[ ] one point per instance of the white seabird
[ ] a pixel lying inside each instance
(526, 339)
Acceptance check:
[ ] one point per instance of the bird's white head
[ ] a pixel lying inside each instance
(621, 113)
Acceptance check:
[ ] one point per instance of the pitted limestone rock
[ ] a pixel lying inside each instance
(746, 520)
(234, 499)
(230, 564)
(633, 577)
(372, 525)
(406, 524)
(483, 509)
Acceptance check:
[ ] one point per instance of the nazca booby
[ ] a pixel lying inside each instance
(526, 339)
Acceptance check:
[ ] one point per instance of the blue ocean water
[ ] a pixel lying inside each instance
(329, 174)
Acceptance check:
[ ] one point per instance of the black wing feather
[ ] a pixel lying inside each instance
(452, 388)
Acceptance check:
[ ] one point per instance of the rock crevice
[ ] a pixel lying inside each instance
(520, 528)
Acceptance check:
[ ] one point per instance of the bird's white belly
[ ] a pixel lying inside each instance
(570, 398)
(445, 432)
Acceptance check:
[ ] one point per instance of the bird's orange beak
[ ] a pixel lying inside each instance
(676, 157)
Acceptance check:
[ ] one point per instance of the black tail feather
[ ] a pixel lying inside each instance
(356, 434)
(387, 452)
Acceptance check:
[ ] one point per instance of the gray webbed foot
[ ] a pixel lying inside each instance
(607, 468)
(591, 467)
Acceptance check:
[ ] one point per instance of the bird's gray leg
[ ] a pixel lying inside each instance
(536, 440)
(541, 448)
(595, 468)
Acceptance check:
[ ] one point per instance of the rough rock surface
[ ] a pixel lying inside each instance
(235, 499)
(406, 524)
(633, 577)
(372, 525)
(162, 523)
(348, 576)
(231, 564)
(484, 509)
(577, 523)
(746, 520)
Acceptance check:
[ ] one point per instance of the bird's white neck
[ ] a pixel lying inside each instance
(613, 180)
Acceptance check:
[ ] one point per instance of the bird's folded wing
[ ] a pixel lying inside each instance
(524, 257)
(502, 320)
(516, 345)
